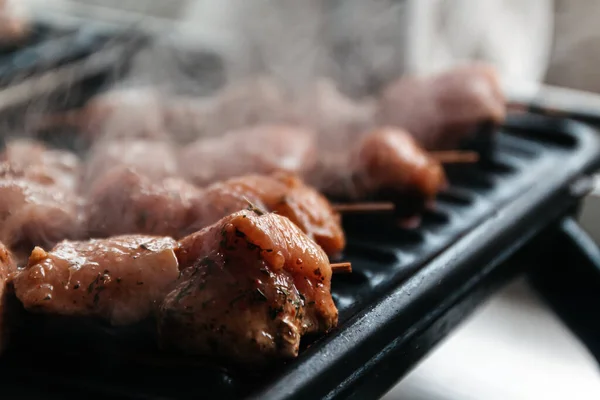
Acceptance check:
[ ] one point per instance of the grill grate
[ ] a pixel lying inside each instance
(408, 288)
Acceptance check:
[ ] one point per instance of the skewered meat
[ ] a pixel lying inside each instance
(124, 201)
(153, 159)
(33, 161)
(258, 150)
(121, 280)
(283, 194)
(441, 110)
(34, 214)
(252, 284)
(388, 163)
(7, 268)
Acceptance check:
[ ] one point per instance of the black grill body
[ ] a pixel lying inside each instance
(408, 288)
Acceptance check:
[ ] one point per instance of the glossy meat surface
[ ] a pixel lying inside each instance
(120, 280)
(387, 164)
(259, 150)
(33, 161)
(7, 269)
(252, 284)
(390, 160)
(441, 110)
(153, 159)
(32, 214)
(124, 202)
(283, 194)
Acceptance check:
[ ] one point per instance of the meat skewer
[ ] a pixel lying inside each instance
(281, 193)
(120, 280)
(443, 109)
(251, 286)
(259, 150)
(127, 202)
(38, 204)
(339, 268)
(364, 207)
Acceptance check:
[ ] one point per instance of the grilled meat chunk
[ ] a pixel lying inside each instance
(153, 159)
(258, 150)
(120, 280)
(34, 214)
(33, 161)
(386, 163)
(7, 269)
(281, 193)
(251, 286)
(441, 110)
(124, 202)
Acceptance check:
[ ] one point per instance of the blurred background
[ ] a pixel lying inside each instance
(513, 347)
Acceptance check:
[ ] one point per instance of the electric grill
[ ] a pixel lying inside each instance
(408, 290)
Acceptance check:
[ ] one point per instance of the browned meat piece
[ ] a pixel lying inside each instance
(7, 269)
(153, 159)
(124, 201)
(34, 214)
(253, 284)
(33, 161)
(121, 280)
(259, 150)
(282, 194)
(387, 163)
(440, 110)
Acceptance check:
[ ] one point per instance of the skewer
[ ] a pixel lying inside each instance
(455, 156)
(341, 268)
(364, 207)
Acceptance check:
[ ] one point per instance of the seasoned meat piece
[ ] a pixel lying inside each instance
(259, 150)
(283, 194)
(252, 284)
(153, 159)
(390, 160)
(34, 214)
(440, 110)
(120, 280)
(7, 269)
(386, 163)
(124, 201)
(33, 161)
